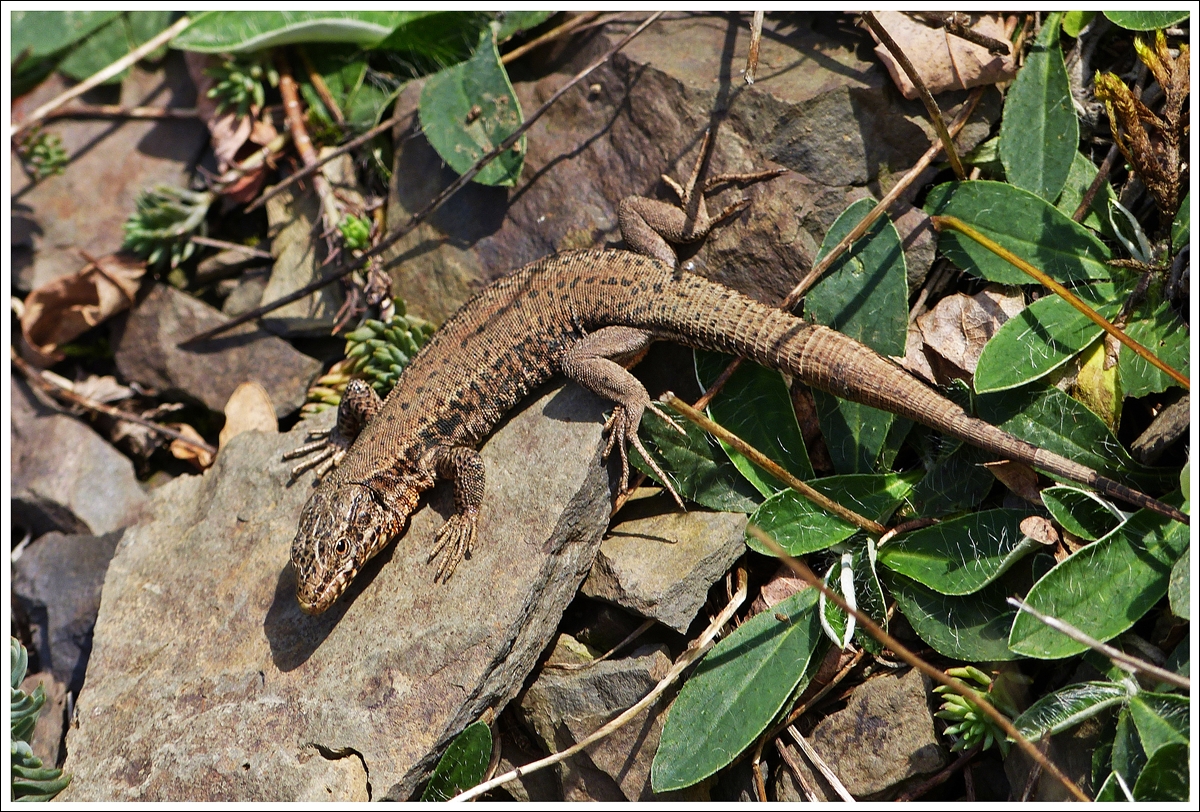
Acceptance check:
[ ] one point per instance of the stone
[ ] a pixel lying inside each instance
(65, 476)
(662, 565)
(52, 718)
(883, 737)
(111, 162)
(822, 107)
(563, 707)
(146, 339)
(207, 682)
(57, 580)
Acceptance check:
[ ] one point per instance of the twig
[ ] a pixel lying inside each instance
(794, 766)
(117, 111)
(554, 33)
(55, 390)
(940, 222)
(756, 24)
(629, 638)
(1120, 658)
(930, 105)
(775, 469)
(958, 24)
(290, 91)
(820, 764)
(433, 205)
(318, 83)
(1101, 175)
(693, 653)
(321, 161)
(249, 251)
(940, 778)
(902, 651)
(760, 785)
(100, 76)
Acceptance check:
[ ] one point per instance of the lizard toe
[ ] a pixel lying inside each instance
(456, 538)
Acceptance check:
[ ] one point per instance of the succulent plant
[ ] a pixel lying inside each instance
(30, 780)
(240, 83)
(41, 153)
(165, 219)
(968, 725)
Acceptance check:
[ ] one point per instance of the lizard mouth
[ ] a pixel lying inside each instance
(315, 602)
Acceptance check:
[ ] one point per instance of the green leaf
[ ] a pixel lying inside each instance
(864, 296)
(38, 34)
(1079, 178)
(112, 42)
(1146, 20)
(1082, 513)
(239, 32)
(867, 596)
(1055, 421)
(1165, 776)
(755, 405)
(1179, 589)
(1128, 757)
(437, 39)
(1021, 222)
(344, 69)
(1104, 588)
(1044, 336)
(467, 109)
(1110, 790)
(1075, 21)
(973, 628)
(1161, 719)
(1039, 133)
(735, 692)
(955, 479)
(698, 469)
(801, 527)
(514, 22)
(960, 556)
(463, 765)
(1181, 228)
(1067, 707)
(1166, 337)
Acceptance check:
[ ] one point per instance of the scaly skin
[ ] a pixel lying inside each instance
(549, 318)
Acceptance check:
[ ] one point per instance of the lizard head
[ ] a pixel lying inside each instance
(343, 526)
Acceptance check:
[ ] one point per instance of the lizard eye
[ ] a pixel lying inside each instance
(341, 547)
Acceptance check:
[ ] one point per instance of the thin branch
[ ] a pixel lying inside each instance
(318, 83)
(821, 765)
(800, 568)
(797, 771)
(1122, 660)
(958, 24)
(100, 76)
(290, 91)
(756, 24)
(941, 777)
(61, 392)
(256, 253)
(926, 97)
(433, 205)
(553, 34)
(694, 652)
(1101, 175)
(940, 222)
(117, 111)
(629, 638)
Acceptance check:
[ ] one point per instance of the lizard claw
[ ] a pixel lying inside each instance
(456, 537)
(621, 433)
(326, 454)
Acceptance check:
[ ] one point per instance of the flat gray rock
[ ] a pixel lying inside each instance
(208, 683)
(146, 340)
(661, 566)
(65, 476)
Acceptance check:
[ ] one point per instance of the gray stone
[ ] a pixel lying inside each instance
(65, 476)
(208, 683)
(146, 341)
(111, 162)
(563, 707)
(661, 566)
(57, 579)
(822, 106)
(52, 718)
(245, 293)
(294, 227)
(883, 737)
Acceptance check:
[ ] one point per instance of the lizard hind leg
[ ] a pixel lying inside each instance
(464, 468)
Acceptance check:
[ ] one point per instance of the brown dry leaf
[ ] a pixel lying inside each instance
(1096, 385)
(248, 409)
(102, 389)
(1039, 529)
(942, 60)
(71, 305)
(952, 334)
(782, 585)
(1018, 478)
(182, 451)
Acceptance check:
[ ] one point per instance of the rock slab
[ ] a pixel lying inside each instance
(208, 683)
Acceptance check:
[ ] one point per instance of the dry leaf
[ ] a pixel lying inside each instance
(248, 409)
(952, 334)
(69, 306)
(182, 451)
(1039, 529)
(782, 585)
(1018, 478)
(942, 60)
(1096, 385)
(102, 389)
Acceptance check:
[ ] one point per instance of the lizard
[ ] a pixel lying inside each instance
(579, 313)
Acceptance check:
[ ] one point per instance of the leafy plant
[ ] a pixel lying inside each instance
(463, 765)
(969, 725)
(240, 83)
(356, 231)
(41, 153)
(379, 351)
(30, 780)
(162, 225)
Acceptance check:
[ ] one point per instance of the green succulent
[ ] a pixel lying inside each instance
(30, 780)
(163, 224)
(240, 83)
(967, 724)
(379, 351)
(356, 232)
(41, 153)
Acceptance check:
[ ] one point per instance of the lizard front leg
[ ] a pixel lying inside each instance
(360, 403)
(464, 468)
(589, 363)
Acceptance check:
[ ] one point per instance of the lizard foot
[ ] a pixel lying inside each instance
(456, 537)
(327, 450)
(622, 430)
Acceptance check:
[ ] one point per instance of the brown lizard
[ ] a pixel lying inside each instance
(574, 313)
